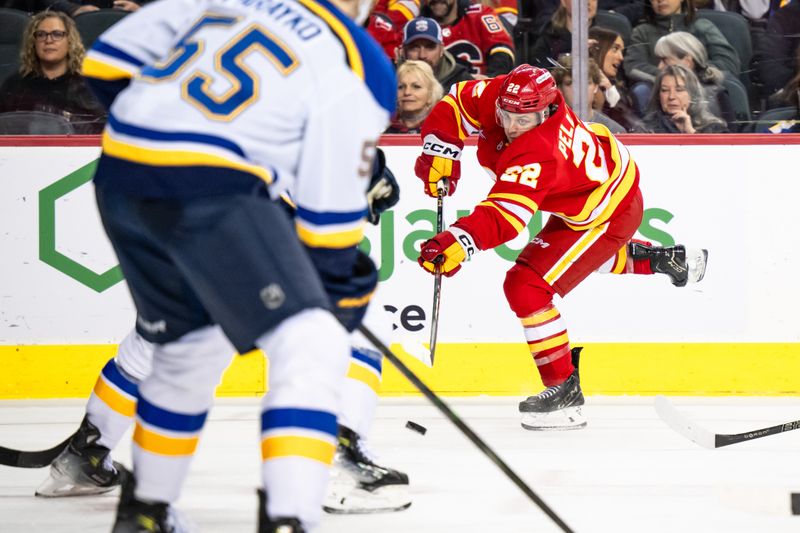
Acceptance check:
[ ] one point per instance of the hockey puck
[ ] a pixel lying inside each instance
(413, 426)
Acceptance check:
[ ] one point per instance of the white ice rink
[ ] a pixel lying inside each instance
(627, 472)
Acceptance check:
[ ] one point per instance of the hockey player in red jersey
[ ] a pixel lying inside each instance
(474, 34)
(544, 159)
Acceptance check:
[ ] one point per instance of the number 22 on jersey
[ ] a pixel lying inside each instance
(229, 63)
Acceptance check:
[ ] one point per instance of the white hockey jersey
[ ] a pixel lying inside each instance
(226, 94)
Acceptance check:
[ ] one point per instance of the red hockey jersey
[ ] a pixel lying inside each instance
(577, 171)
(476, 36)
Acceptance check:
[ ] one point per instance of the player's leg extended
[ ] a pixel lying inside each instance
(85, 466)
(682, 265)
(358, 484)
(556, 262)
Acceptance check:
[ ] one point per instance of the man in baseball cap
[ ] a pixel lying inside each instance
(422, 40)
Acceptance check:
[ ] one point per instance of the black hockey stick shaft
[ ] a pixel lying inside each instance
(441, 191)
(31, 459)
(721, 440)
(462, 426)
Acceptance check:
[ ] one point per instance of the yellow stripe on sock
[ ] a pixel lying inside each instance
(362, 375)
(112, 398)
(293, 446)
(163, 445)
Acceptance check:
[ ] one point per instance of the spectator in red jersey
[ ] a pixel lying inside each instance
(678, 105)
(423, 41)
(417, 92)
(49, 78)
(474, 34)
(386, 23)
(545, 159)
(608, 50)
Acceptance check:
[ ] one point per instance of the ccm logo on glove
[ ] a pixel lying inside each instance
(447, 249)
(439, 160)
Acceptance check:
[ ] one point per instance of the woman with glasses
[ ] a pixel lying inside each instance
(49, 77)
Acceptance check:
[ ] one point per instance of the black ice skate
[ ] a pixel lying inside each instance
(360, 486)
(556, 407)
(278, 525)
(136, 516)
(83, 468)
(681, 265)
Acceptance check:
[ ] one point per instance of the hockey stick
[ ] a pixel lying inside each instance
(31, 459)
(708, 439)
(461, 425)
(442, 187)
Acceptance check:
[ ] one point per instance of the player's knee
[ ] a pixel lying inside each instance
(308, 350)
(526, 291)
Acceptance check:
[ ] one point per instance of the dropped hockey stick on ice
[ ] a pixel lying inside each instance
(708, 439)
(462, 426)
(31, 459)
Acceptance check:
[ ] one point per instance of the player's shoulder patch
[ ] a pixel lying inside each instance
(363, 55)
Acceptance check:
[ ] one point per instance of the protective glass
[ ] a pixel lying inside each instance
(55, 35)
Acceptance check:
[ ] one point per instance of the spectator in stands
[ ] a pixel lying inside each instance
(755, 11)
(562, 73)
(423, 41)
(608, 51)
(473, 33)
(773, 55)
(386, 23)
(678, 105)
(556, 37)
(507, 11)
(633, 10)
(31, 7)
(683, 48)
(789, 95)
(49, 78)
(666, 16)
(417, 92)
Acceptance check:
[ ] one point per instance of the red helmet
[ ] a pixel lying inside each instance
(527, 89)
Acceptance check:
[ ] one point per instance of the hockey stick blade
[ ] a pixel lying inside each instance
(31, 459)
(708, 439)
(462, 426)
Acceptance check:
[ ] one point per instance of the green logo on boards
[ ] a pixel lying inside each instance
(386, 258)
(47, 233)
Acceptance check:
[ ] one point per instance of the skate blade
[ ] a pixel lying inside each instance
(696, 261)
(388, 499)
(563, 419)
(62, 487)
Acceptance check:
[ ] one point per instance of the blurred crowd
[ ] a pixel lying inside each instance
(656, 66)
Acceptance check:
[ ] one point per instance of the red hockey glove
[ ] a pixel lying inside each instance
(448, 249)
(439, 159)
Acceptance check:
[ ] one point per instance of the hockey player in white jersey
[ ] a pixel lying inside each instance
(216, 108)
(358, 484)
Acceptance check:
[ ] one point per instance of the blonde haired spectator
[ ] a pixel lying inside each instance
(49, 78)
(418, 90)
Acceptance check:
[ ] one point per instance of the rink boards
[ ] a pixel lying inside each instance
(64, 304)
